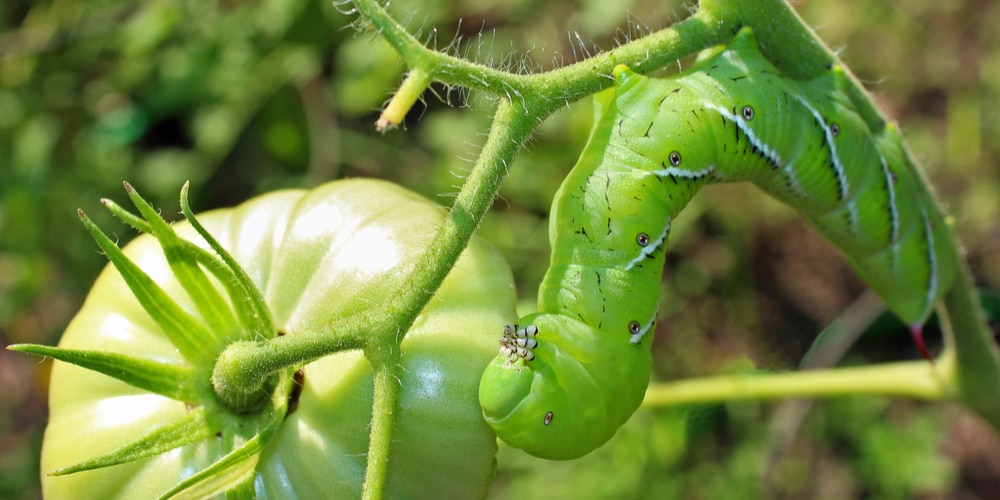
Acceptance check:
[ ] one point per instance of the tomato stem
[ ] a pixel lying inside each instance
(243, 372)
(387, 372)
(912, 379)
(977, 359)
(413, 86)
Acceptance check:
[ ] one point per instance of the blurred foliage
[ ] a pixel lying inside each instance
(246, 97)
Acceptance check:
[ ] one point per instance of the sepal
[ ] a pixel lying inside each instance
(191, 428)
(173, 381)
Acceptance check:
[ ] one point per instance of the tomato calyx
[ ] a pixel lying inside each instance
(224, 308)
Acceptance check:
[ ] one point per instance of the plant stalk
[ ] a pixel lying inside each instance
(911, 379)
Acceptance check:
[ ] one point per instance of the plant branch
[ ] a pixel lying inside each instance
(510, 128)
(977, 360)
(912, 379)
(386, 373)
(543, 93)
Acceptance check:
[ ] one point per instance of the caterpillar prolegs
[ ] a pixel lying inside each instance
(569, 376)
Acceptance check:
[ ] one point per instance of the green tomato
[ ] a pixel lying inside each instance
(316, 256)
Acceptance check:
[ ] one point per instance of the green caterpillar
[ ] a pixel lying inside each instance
(572, 374)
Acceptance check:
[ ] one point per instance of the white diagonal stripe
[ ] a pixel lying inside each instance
(768, 151)
(838, 168)
(685, 174)
(647, 250)
(645, 329)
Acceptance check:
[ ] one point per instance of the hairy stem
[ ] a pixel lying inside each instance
(243, 369)
(506, 136)
(386, 370)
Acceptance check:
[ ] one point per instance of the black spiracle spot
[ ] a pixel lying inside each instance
(548, 418)
(634, 327)
(642, 239)
(675, 158)
(834, 129)
(748, 113)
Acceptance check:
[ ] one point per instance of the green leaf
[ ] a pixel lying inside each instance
(231, 470)
(210, 261)
(127, 217)
(258, 313)
(190, 428)
(195, 342)
(206, 297)
(173, 381)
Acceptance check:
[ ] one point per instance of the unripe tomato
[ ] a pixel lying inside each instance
(316, 256)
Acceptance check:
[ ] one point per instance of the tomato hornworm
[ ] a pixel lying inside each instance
(569, 376)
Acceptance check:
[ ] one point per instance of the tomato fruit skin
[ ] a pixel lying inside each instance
(316, 256)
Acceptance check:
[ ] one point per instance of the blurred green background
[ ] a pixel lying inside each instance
(246, 97)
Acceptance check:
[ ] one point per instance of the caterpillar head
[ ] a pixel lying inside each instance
(578, 388)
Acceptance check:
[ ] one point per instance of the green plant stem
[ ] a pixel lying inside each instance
(413, 86)
(784, 38)
(541, 94)
(244, 367)
(977, 359)
(384, 404)
(509, 130)
(911, 379)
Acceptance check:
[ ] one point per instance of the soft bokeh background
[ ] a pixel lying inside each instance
(246, 97)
